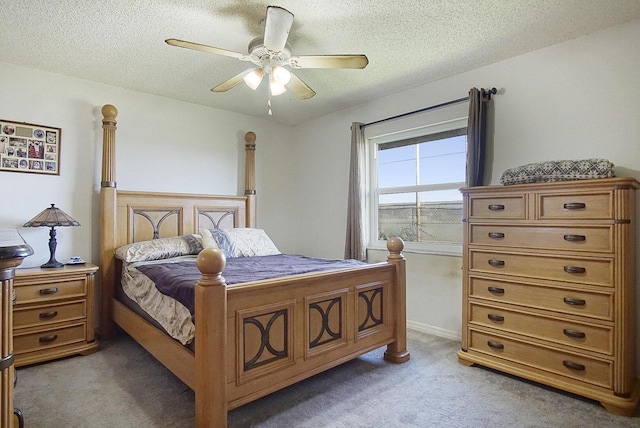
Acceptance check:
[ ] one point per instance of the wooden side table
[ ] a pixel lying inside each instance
(13, 250)
(54, 313)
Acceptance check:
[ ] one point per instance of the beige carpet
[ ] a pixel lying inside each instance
(123, 386)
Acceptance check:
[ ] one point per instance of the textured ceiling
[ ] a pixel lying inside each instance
(408, 43)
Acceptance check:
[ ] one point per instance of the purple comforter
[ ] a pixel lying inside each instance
(178, 280)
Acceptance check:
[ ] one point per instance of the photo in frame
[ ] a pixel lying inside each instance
(27, 147)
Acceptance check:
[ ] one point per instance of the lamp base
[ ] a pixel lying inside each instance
(52, 264)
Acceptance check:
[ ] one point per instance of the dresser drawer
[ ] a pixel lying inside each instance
(590, 337)
(40, 293)
(596, 239)
(48, 314)
(44, 339)
(597, 205)
(592, 271)
(575, 366)
(502, 207)
(562, 300)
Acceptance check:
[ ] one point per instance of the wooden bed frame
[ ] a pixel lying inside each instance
(255, 338)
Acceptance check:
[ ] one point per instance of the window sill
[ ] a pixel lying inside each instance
(454, 250)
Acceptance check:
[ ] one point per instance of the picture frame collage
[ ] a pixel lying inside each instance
(27, 147)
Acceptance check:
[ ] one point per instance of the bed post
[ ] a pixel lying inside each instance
(250, 177)
(211, 341)
(108, 217)
(397, 351)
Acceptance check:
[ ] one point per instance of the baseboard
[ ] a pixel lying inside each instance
(436, 331)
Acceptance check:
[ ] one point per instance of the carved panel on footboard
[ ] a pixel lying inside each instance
(371, 308)
(265, 340)
(326, 321)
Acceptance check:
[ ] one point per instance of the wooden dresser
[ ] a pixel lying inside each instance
(549, 285)
(54, 313)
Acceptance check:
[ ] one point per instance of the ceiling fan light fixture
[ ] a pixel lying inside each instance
(275, 87)
(253, 78)
(281, 75)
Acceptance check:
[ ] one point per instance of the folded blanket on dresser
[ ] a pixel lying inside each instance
(562, 170)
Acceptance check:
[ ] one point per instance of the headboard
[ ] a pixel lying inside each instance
(131, 216)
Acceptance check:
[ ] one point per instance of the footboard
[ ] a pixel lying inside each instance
(276, 333)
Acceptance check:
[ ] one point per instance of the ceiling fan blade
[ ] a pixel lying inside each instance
(300, 88)
(329, 61)
(228, 84)
(205, 48)
(276, 28)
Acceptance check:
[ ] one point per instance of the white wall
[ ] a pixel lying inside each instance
(574, 100)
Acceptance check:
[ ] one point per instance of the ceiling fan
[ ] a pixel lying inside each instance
(271, 53)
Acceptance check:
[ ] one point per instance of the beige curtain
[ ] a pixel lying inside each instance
(477, 136)
(355, 246)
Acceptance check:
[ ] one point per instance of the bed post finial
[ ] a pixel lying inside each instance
(397, 351)
(250, 177)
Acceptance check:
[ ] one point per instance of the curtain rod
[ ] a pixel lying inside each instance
(447, 103)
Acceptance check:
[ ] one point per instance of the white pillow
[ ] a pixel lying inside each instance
(250, 242)
(163, 248)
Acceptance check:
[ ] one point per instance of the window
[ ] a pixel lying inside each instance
(414, 182)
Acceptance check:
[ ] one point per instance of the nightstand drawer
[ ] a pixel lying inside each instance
(564, 300)
(591, 337)
(48, 314)
(53, 290)
(592, 271)
(574, 366)
(49, 338)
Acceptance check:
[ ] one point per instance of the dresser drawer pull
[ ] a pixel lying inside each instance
(496, 235)
(574, 302)
(574, 269)
(496, 263)
(495, 290)
(48, 315)
(46, 291)
(496, 318)
(48, 339)
(573, 366)
(496, 207)
(575, 206)
(573, 333)
(495, 345)
(575, 238)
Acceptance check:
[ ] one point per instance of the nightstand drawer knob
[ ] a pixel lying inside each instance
(495, 318)
(574, 269)
(496, 263)
(496, 207)
(574, 302)
(46, 291)
(573, 366)
(573, 333)
(495, 290)
(48, 315)
(48, 339)
(496, 235)
(575, 238)
(575, 206)
(495, 345)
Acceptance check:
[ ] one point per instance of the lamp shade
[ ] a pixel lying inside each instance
(52, 217)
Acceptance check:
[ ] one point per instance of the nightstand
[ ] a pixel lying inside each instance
(53, 316)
